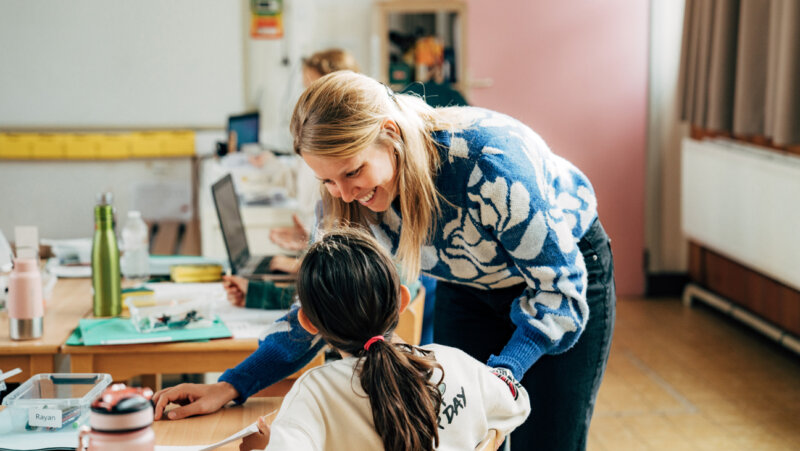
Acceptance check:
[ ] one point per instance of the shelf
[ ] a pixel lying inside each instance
(444, 19)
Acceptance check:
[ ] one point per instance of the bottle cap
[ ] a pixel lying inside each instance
(106, 198)
(122, 408)
(27, 241)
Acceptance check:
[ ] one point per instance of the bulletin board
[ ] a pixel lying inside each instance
(120, 64)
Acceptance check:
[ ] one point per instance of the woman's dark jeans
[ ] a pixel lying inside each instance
(563, 388)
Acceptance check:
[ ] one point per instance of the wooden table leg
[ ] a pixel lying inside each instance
(152, 380)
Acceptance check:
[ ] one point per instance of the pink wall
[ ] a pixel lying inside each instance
(577, 74)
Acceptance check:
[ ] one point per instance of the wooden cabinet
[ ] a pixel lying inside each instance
(410, 20)
(767, 298)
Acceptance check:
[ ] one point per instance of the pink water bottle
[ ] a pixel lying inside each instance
(120, 420)
(25, 304)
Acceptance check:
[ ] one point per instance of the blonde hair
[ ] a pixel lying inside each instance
(343, 113)
(331, 60)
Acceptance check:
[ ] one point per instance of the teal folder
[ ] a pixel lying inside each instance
(120, 331)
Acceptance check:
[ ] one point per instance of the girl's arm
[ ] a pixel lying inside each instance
(506, 400)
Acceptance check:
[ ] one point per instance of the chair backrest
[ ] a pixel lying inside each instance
(491, 441)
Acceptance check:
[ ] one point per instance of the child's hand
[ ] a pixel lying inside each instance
(259, 440)
(236, 289)
(289, 265)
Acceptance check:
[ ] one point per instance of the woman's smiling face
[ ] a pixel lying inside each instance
(368, 177)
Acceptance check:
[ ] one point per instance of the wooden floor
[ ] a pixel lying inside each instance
(682, 378)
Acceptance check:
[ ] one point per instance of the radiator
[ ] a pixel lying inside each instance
(743, 202)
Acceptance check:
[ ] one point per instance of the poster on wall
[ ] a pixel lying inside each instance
(266, 19)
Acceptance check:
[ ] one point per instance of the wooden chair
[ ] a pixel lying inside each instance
(409, 328)
(490, 442)
(174, 237)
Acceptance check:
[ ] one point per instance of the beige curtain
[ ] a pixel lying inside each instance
(740, 68)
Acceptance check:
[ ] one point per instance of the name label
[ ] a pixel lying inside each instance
(44, 417)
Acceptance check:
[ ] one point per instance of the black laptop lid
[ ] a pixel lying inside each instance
(230, 222)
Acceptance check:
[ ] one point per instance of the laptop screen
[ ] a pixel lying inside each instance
(230, 221)
(246, 128)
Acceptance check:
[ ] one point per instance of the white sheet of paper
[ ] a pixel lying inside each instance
(251, 429)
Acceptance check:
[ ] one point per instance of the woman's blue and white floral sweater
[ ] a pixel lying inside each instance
(514, 215)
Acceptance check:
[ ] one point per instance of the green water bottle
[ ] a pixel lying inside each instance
(105, 260)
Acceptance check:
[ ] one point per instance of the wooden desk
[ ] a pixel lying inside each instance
(150, 360)
(71, 300)
(208, 429)
(125, 361)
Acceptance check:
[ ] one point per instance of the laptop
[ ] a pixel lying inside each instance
(233, 233)
(246, 128)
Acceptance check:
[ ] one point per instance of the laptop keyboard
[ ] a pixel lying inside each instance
(263, 267)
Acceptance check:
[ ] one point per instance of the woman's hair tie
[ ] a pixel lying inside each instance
(372, 340)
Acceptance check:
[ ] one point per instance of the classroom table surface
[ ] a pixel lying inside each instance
(71, 300)
(208, 429)
(123, 362)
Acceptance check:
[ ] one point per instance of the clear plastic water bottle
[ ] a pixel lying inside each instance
(135, 254)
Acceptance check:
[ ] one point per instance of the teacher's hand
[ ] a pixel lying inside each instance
(195, 399)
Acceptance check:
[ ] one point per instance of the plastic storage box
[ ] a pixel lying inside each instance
(152, 313)
(54, 401)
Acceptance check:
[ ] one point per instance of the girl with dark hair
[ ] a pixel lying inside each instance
(384, 394)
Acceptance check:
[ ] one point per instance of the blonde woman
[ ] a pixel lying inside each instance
(477, 200)
(251, 293)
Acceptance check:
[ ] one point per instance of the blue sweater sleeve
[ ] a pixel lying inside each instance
(517, 202)
(285, 348)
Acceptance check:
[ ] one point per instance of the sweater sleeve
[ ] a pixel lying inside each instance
(285, 348)
(532, 212)
(266, 295)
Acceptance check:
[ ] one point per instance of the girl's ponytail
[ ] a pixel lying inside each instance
(350, 291)
(405, 401)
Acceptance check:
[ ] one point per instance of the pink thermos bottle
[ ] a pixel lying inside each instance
(120, 420)
(25, 304)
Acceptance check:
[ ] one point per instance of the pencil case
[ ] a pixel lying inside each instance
(50, 402)
(157, 313)
(195, 273)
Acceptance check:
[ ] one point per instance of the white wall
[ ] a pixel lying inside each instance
(664, 239)
(100, 64)
(120, 64)
(310, 26)
(59, 196)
